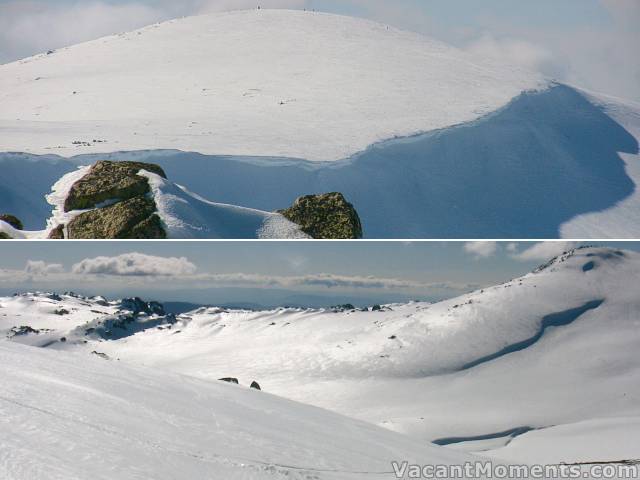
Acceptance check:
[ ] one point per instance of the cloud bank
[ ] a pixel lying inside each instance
(134, 264)
(544, 251)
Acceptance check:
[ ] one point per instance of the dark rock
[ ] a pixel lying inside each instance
(55, 297)
(13, 221)
(327, 216)
(376, 308)
(4, 236)
(57, 233)
(131, 219)
(63, 339)
(343, 308)
(61, 311)
(109, 181)
(22, 330)
(392, 337)
(137, 305)
(229, 380)
(101, 355)
(255, 385)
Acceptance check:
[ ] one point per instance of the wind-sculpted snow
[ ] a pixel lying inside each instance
(521, 172)
(185, 215)
(558, 319)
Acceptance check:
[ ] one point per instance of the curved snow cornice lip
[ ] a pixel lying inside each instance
(253, 83)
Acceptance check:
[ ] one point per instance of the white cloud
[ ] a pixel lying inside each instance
(514, 51)
(544, 251)
(481, 249)
(38, 267)
(512, 247)
(135, 264)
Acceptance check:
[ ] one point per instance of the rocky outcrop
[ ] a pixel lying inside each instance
(255, 385)
(135, 218)
(112, 201)
(4, 236)
(109, 181)
(327, 216)
(229, 380)
(117, 203)
(13, 221)
(57, 233)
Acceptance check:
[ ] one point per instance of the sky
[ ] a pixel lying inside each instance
(271, 273)
(592, 44)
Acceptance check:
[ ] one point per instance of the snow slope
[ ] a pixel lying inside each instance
(533, 361)
(187, 215)
(265, 83)
(67, 416)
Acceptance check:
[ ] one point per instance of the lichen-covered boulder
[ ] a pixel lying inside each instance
(327, 216)
(13, 221)
(135, 218)
(57, 233)
(108, 180)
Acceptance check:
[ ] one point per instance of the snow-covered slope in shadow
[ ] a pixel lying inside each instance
(66, 416)
(519, 173)
(522, 172)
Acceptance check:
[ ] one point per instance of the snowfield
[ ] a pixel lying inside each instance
(540, 369)
(264, 83)
(66, 416)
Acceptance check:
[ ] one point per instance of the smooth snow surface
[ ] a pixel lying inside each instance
(73, 417)
(264, 83)
(409, 367)
(186, 215)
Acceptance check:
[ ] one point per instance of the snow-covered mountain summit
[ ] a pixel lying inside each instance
(265, 83)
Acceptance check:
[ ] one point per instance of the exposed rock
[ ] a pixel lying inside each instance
(137, 305)
(22, 330)
(57, 233)
(327, 216)
(229, 380)
(61, 311)
(343, 308)
(13, 221)
(133, 218)
(4, 236)
(255, 385)
(109, 181)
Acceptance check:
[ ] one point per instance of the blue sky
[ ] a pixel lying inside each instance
(589, 43)
(270, 273)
